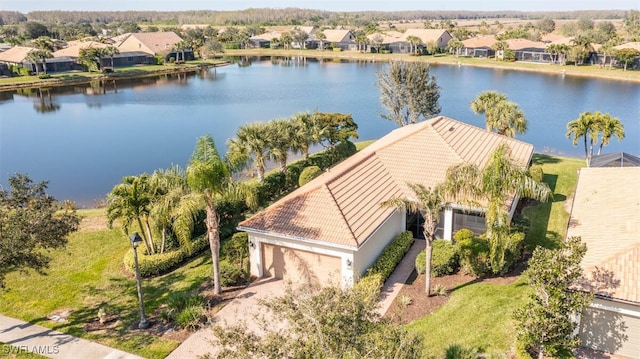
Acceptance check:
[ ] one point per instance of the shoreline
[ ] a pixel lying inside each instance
(588, 71)
(585, 71)
(60, 79)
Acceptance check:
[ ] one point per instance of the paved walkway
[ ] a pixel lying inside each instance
(244, 306)
(27, 337)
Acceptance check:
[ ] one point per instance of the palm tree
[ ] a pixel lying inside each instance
(210, 180)
(466, 184)
(499, 46)
(608, 126)
(250, 144)
(280, 133)
(286, 40)
(506, 118)
(36, 56)
(486, 100)
(428, 202)
(167, 208)
(110, 51)
(305, 133)
(584, 126)
(455, 45)
(321, 37)
(501, 115)
(414, 41)
(131, 201)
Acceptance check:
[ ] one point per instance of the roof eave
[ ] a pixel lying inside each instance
(297, 238)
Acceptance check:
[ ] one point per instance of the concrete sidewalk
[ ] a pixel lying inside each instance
(17, 335)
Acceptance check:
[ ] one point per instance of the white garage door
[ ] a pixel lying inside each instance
(299, 266)
(610, 332)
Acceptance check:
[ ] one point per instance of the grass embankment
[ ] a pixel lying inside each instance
(89, 274)
(72, 78)
(479, 314)
(571, 70)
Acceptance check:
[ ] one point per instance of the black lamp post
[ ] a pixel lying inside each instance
(135, 242)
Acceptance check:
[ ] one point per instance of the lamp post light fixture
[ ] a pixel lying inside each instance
(135, 242)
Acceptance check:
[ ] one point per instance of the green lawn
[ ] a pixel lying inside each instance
(89, 274)
(479, 314)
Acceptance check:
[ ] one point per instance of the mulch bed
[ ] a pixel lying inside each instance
(422, 305)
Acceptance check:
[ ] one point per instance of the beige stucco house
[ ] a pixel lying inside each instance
(606, 215)
(334, 228)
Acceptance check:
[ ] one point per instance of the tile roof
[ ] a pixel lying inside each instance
(387, 37)
(425, 35)
(73, 50)
(342, 206)
(629, 45)
(335, 35)
(16, 54)
(520, 44)
(158, 42)
(479, 41)
(606, 214)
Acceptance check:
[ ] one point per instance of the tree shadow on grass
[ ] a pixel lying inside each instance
(541, 159)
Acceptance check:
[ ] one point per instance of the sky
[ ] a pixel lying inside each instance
(26, 6)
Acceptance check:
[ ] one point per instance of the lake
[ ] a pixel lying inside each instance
(85, 138)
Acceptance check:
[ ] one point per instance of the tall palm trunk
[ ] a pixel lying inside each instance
(213, 235)
(144, 236)
(428, 251)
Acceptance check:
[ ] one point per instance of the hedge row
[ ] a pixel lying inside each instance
(391, 255)
(156, 264)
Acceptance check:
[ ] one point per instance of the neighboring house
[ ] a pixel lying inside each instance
(73, 49)
(155, 44)
(380, 41)
(334, 226)
(480, 46)
(618, 159)
(606, 215)
(630, 45)
(128, 58)
(264, 40)
(343, 39)
(17, 55)
(438, 36)
(527, 50)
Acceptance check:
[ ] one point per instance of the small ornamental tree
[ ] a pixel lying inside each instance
(328, 322)
(30, 225)
(545, 324)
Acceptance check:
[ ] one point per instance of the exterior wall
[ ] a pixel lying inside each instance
(370, 250)
(256, 256)
(611, 327)
(133, 44)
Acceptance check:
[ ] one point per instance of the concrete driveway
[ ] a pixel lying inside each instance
(242, 308)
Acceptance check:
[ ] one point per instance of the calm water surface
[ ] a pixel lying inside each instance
(83, 139)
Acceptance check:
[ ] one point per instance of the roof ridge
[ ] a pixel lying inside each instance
(344, 218)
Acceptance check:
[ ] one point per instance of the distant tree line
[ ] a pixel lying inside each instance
(289, 16)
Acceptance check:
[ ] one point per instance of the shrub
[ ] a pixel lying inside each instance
(505, 251)
(44, 76)
(292, 176)
(457, 351)
(463, 234)
(236, 249)
(440, 290)
(271, 188)
(391, 255)
(474, 253)
(177, 301)
(231, 212)
(307, 174)
(230, 274)
(345, 149)
(192, 318)
(536, 172)
(444, 259)
(156, 264)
